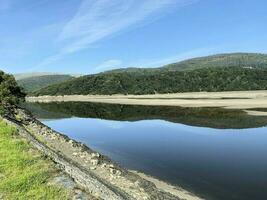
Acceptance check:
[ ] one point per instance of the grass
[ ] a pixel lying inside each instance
(24, 172)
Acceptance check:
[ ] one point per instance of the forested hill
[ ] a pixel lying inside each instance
(33, 83)
(224, 72)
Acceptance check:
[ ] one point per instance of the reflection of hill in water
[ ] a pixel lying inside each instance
(205, 117)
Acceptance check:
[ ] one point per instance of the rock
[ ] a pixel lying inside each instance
(83, 155)
(79, 195)
(70, 141)
(136, 183)
(93, 155)
(75, 154)
(118, 173)
(104, 165)
(111, 166)
(63, 181)
(94, 162)
(53, 137)
(62, 140)
(112, 171)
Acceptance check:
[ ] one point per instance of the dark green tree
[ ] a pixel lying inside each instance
(10, 92)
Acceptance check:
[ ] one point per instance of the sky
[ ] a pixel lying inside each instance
(90, 36)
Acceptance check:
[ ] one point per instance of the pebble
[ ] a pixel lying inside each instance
(95, 155)
(94, 162)
(71, 141)
(75, 154)
(112, 171)
(136, 183)
(103, 165)
(118, 172)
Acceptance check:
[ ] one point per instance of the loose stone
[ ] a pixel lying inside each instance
(94, 162)
(75, 154)
(112, 171)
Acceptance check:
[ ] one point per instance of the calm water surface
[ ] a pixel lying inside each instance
(219, 154)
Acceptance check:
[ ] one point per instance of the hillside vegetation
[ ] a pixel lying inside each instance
(226, 72)
(33, 83)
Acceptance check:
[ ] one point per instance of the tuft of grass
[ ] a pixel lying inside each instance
(24, 172)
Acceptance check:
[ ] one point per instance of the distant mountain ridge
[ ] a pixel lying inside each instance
(246, 60)
(21, 76)
(223, 72)
(36, 82)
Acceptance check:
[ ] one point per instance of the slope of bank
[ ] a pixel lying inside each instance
(95, 173)
(26, 174)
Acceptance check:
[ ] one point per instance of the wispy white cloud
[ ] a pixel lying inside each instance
(159, 62)
(107, 65)
(179, 57)
(99, 19)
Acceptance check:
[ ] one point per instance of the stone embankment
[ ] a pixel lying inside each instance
(92, 171)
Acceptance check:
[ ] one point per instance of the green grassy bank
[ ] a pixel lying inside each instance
(24, 172)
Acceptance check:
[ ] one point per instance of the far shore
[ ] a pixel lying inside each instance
(230, 100)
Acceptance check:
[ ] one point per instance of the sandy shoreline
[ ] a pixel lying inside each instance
(232, 100)
(180, 192)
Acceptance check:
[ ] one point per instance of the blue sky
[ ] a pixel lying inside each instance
(89, 36)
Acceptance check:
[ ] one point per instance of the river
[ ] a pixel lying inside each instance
(213, 152)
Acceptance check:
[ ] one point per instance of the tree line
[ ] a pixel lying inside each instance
(206, 79)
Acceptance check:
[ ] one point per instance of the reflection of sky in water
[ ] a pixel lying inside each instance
(206, 159)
